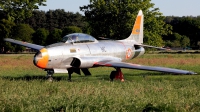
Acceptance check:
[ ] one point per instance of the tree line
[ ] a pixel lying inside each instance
(186, 32)
(41, 28)
(108, 18)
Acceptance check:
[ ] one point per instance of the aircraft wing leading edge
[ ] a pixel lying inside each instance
(26, 44)
(142, 67)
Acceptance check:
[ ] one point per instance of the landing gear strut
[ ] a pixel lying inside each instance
(117, 75)
(70, 71)
(49, 75)
(77, 70)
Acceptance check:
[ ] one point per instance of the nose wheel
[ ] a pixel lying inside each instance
(118, 75)
(49, 76)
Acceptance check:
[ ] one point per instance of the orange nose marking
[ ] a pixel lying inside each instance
(42, 63)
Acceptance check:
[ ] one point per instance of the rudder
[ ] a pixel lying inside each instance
(137, 31)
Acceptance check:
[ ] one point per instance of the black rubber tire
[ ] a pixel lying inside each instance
(112, 75)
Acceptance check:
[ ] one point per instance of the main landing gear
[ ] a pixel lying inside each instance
(117, 75)
(77, 70)
(70, 71)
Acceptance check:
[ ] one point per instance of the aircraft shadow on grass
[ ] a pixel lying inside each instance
(29, 77)
(56, 78)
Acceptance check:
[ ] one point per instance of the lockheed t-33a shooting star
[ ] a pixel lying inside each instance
(79, 51)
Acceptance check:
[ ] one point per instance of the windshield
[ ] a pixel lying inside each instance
(78, 38)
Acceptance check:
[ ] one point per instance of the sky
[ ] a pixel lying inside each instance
(167, 7)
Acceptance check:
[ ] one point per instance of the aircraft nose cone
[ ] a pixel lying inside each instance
(41, 58)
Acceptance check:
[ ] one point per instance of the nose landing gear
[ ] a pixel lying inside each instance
(49, 75)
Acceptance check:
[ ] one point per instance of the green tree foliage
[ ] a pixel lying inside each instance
(40, 36)
(22, 32)
(185, 41)
(18, 10)
(115, 19)
(37, 20)
(188, 26)
(177, 40)
(3, 15)
(54, 36)
(41, 19)
(60, 19)
(71, 29)
(6, 28)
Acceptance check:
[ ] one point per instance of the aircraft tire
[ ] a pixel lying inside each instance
(112, 75)
(50, 79)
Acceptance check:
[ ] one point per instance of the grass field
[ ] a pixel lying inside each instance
(23, 87)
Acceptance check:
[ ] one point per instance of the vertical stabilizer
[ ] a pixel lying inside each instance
(137, 31)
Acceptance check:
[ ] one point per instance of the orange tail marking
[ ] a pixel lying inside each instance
(136, 28)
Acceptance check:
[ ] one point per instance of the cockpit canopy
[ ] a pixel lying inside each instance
(78, 38)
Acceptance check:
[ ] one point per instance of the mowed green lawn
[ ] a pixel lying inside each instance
(23, 87)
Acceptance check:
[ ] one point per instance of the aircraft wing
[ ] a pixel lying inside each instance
(142, 67)
(26, 44)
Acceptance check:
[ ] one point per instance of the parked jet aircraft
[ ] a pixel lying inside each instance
(80, 51)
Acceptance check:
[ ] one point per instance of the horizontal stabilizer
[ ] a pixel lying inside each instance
(103, 38)
(142, 45)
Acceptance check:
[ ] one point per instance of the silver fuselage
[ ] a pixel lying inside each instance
(62, 54)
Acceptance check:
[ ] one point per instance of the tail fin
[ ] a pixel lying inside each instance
(137, 31)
